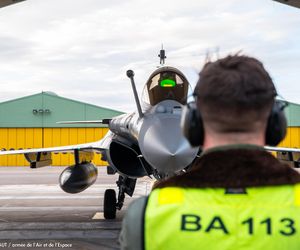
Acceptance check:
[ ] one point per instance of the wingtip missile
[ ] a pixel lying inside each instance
(103, 121)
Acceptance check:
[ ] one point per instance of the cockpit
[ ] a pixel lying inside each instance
(165, 83)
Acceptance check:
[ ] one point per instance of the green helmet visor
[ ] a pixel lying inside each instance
(167, 83)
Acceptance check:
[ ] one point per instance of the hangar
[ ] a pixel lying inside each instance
(30, 122)
(292, 138)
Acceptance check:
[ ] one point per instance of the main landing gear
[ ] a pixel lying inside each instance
(126, 185)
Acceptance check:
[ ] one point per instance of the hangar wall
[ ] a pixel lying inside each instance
(30, 122)
(24, 138)
(292, 138)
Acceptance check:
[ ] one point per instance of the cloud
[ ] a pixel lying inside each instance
(82, 49)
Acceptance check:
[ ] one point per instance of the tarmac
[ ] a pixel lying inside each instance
(36, 214)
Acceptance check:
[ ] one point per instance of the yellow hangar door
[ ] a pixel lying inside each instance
(25, 138)
(19, 138)
(69, 136)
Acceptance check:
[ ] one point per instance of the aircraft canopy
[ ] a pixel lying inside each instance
(165, 83)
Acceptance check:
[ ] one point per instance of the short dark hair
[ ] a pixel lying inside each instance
(233, 92)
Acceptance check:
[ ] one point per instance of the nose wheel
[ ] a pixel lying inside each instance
(126, 185)
(110, 202)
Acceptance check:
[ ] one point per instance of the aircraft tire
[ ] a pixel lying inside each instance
(110, 202)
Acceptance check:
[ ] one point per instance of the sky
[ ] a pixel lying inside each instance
(81, 49)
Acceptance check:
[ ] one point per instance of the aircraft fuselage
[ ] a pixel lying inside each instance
(157, 137)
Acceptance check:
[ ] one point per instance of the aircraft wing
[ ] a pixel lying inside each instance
(290, 156)
(95, 146)
(282, 149)
(40, 157)
(4, 3)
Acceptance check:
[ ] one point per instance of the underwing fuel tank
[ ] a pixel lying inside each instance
(76, 178)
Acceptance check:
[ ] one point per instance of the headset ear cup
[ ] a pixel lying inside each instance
(277, 124)
(192, 125)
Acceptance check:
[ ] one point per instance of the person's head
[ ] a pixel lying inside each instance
(235, 95)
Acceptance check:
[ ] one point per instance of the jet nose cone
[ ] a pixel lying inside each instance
(164, 146)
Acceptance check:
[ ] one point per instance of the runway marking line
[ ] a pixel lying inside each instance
(98, 216)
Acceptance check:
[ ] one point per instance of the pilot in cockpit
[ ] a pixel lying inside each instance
(166, 83)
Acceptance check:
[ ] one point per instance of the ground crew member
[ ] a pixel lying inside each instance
(237, 195)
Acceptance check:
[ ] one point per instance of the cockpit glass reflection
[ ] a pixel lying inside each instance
(165, 85)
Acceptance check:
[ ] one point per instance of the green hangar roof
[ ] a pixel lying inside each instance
(45, 109)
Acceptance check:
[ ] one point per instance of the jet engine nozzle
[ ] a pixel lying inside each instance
(164, 146)
(76, 178)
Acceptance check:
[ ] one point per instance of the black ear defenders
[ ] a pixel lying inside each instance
(277, 124)
(192, 124)
(193, 130)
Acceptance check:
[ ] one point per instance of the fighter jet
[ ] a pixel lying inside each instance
(148, 142)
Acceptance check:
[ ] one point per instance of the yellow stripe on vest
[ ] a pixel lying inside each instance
(297, 195)
(170, 196)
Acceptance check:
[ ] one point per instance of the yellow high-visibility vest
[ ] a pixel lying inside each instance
(265, 218)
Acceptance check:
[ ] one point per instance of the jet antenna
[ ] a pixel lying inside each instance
(162, 55)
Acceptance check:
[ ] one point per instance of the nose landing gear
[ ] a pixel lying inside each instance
(110, 201)
(126, 185)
